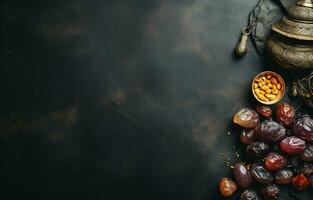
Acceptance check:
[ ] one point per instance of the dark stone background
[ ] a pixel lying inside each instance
(121, 99)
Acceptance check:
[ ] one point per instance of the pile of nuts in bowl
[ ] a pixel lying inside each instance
(268, 87)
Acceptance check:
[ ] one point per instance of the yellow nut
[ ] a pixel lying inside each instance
(269, 76)
(270, 96)
(262, 92)
(274, 87)
(273, 80)
(257, 80)
(265, 88)
(278, 86)
(269, 91)
(257, 90)
(267, 81)
(256, 85)
(262, 97)
(263, 78)
(269, 85)
(274, 91)
(260, 84)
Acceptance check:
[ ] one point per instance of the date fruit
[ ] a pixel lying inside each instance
(307, 169)
(248, 195)
(285, 114)
(300, 182)
(275, 162)
(246, 118)
(307, 154)
(256, 150)
(261, 175)
(264, 111)
(303, 128)
(284, 176)
(247, 136)
(227, 187)
(292, 145)
(270, 192)
(270, 131)
(242, 176)
(279, 150)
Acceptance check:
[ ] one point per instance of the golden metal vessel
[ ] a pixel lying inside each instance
(291, 45)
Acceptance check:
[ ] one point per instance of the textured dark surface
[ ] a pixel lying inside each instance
(121, 99)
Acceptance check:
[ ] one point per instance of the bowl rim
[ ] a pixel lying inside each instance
(281, 80)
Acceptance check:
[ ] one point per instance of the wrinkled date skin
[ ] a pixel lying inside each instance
(227, 187)
(270, 192)
(270, 131)
(307, 154)
(292, 145)
(275, 162)
(303, 128)
(264, 111)
(261, 175)
(307, 169)
(247, 136)
(284, 177)
(246, 118)
(256, 150)
(300, 182)
(285, 114)
(249, 195)
(242, 176)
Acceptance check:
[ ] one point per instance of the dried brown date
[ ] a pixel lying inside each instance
(242, 176)
(263, 110)
(284, 176)
(248, 195)
(303, 128)
(307, 169)
(270, 131)
(256, 150)
(275, 162)
(300, 182)
(307, 154)
(292, 145)
(227, 187)
(285, 114)
(261, 175)
(247, 136)
(270, 192)
(246, 118)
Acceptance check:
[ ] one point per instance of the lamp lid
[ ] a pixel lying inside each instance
(298, 23)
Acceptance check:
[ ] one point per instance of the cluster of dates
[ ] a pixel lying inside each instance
(278, 152)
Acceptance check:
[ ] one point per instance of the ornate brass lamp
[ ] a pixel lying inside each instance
(291, 45)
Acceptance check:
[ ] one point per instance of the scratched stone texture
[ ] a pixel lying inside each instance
(121, 99)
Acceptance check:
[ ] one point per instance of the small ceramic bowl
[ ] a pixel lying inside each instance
(272, 81)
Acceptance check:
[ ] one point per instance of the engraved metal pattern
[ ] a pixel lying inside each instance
(301, 13)
(306, 3)
(291, 46)
(302, 31)
(290, 55)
